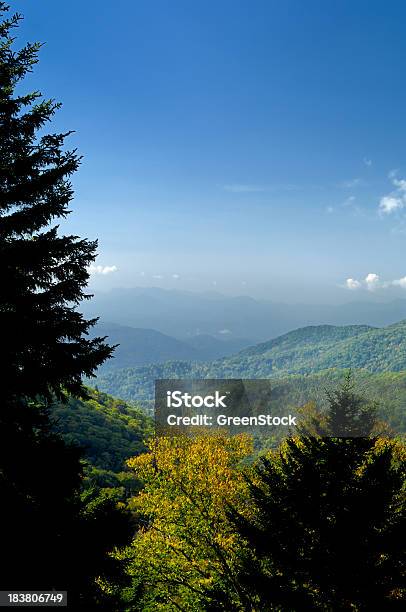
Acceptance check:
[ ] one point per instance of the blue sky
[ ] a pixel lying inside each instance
(243, 147)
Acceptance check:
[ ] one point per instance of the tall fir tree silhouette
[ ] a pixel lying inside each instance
(51, 535)
(44, 274)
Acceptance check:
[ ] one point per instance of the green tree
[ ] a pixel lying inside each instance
(326, 520)
(48, 531)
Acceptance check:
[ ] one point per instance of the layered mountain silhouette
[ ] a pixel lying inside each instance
(184, 315)
(137, 346)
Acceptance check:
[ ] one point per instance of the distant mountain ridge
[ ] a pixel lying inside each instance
(316, 348)
(302, 352)
(183, 314)
(143, 346)
(309, 335)
(211, 348)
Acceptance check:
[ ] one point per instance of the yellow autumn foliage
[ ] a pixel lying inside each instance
(185, 541)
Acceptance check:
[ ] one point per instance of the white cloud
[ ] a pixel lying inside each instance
(400, 184)
(401, 282)
(352, 284)
(367, 162)
(157, 276)
(225, 332)
(396, 200)
(388, 204)
(242, 188)
(372, 281)
(93, 270)
(175, 276)
(329, 209)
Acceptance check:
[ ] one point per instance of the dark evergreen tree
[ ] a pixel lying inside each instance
(50, 536)
(43, 274)
(325, 523)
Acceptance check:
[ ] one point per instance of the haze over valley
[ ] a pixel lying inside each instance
(186, 315)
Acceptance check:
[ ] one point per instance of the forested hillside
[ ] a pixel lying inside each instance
(312, 349)
(107, 429)
(293, 390)
(304, 351)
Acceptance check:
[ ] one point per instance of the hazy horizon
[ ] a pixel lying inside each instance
(353, 298)
(185, 314)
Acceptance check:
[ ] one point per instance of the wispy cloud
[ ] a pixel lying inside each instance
(367, 161)
(350, 204)
(399, 228)
(93, 269)
(349, 184)
(396, 199)
(348, 201)
(401, 282)
(269, 187)
(243, 188)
